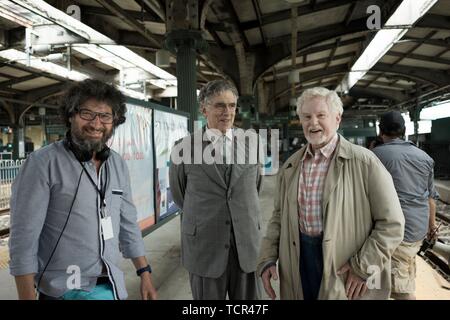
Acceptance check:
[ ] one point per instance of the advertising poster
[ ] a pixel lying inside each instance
(168, 129)
(133, 141)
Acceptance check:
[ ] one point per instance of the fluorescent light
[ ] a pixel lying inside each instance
(104, 56)
(94, 37)
(18, 14)
(14, 18)
(37, 63)
(50, 13)
(158, 83)
(409, 11)
(99, 46)
(406, 15)
(140, 62)
(167, 93)
(134, 94)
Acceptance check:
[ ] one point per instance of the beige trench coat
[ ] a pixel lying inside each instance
(362, 220)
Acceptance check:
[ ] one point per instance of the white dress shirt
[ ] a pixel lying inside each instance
(216, 136)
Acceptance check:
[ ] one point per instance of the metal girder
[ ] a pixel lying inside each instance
(214, 34)
(44, 92)
(418, 57)
(361, 92)
(227, 15)
(32, 98)
(312, 75)
(257, 9)
(324, 33)
(385, 84)
(119, 12)
(6, 105)
(265, 59)
(32, 70)
(140, 16)
(6, 84)
(134, 39)
(329, 46)
(302, 10)
(445, 43)
(366, 112)
(350, 13)
(315, 62)
(439, 78)
(404, 55)
(434, 21)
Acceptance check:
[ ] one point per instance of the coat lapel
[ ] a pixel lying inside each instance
(331, 181)
(212, 171)
(292, 174)
(334, 172)
(237, 169)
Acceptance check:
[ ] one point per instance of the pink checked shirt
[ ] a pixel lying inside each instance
(314, 168)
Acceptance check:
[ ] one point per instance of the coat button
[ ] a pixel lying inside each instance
(227, 246)
(293, 242)
(227, 222)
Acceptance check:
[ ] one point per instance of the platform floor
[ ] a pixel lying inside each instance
(172, 280)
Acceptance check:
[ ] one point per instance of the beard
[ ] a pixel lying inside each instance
(85, 143)
(316, 140)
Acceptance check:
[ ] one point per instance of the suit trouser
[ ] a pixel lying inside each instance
(238, 284)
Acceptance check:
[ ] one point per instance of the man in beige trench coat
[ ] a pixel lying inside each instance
(337, 218)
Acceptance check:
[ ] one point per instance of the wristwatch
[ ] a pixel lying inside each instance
(144, 269)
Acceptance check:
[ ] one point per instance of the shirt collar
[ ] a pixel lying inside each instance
(399, 141)
(327, 150)
(216, 135)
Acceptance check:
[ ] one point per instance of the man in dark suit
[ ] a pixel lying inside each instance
(216, 186)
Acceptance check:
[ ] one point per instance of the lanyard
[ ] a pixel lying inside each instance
(101, 191)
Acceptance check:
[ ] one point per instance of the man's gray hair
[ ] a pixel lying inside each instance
(213, 88)
(331, 98)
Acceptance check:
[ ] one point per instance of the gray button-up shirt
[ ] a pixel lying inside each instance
(412, 172)
(42, 195)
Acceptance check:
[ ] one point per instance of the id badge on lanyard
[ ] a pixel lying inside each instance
(106, 222)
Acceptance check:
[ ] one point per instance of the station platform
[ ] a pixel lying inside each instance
(172, 280)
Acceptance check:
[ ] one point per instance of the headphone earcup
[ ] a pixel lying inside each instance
(103, 155)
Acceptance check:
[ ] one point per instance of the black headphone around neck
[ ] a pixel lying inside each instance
(84, 155)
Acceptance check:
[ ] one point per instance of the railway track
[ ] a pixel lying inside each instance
(4, 223)
(434, 259)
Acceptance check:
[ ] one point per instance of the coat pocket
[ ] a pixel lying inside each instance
(188, 228)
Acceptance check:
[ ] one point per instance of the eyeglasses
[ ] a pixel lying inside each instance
(223, 106)
(88, 115)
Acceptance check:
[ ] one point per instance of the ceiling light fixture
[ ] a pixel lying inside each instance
(406, 14)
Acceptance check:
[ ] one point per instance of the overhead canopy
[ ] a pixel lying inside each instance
(249, 43)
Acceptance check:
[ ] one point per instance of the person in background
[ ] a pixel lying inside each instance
(413, 173)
